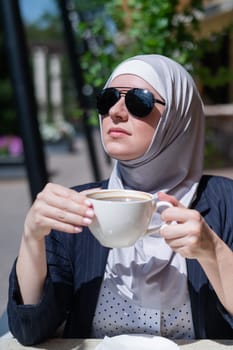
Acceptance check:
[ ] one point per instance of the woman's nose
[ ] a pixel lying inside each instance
(118, 111)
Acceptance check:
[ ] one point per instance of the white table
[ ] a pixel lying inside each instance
(90, 344)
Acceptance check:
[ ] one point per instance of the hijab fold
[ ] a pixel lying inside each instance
(150, 273)
(173, 163)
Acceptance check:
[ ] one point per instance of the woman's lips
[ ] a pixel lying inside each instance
(116, 132)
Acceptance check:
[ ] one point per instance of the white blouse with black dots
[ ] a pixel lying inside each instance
(144, 294)
(116, 315)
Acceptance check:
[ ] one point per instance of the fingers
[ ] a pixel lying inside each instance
(60, 208)
(69, 216)
(186, 235)
(184, 228)
(180, 215)
(64, 202)
(48, 223)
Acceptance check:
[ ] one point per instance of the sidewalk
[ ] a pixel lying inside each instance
(67, 169)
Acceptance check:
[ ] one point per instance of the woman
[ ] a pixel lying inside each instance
(178, 284)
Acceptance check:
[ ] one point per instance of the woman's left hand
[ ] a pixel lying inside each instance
(190, 236)
(193, 238)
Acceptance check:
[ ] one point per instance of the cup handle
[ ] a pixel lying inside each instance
(158, 204)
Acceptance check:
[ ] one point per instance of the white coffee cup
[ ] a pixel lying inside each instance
(122, 216)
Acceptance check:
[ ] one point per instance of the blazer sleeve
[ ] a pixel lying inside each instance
(215, 202)
(32, 324)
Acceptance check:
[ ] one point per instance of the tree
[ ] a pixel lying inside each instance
(124, 28)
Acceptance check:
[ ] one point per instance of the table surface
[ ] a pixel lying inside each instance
(7, 343)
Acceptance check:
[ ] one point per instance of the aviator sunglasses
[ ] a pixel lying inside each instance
(139, 102)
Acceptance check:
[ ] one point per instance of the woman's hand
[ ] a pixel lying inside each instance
(56, 207)
(193, 238)
(190, 236)
(60, 208)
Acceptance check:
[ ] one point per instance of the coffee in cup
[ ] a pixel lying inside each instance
(122, 216)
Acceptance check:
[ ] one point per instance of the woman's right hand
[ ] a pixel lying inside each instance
(60, 208)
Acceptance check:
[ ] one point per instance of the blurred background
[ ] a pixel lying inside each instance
(56, 54)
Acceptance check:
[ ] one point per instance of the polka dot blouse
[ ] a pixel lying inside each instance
(118, 315)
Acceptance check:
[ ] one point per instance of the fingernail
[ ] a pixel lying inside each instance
(88, 202)
(89, 213)
(87, 221)
(77, 229)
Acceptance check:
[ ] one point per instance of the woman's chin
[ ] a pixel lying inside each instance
(121, 156)
(119, 152)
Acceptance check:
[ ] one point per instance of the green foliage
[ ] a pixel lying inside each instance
(90, 5)
(221, 76)
(145, 27)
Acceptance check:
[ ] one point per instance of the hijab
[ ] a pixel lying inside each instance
(150, 273)
(173, 163)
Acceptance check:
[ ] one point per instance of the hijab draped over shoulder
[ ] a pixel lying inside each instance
(173, 163)
(145, 272)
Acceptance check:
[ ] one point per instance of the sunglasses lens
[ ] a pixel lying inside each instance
(106, 99)
(139, 102)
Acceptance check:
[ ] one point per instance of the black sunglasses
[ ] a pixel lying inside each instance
(139, 102)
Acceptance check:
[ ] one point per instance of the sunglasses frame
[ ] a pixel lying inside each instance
(118, 91)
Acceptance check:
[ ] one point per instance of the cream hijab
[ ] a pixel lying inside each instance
(173, 161)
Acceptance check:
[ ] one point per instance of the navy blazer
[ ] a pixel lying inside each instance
(76, 264)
